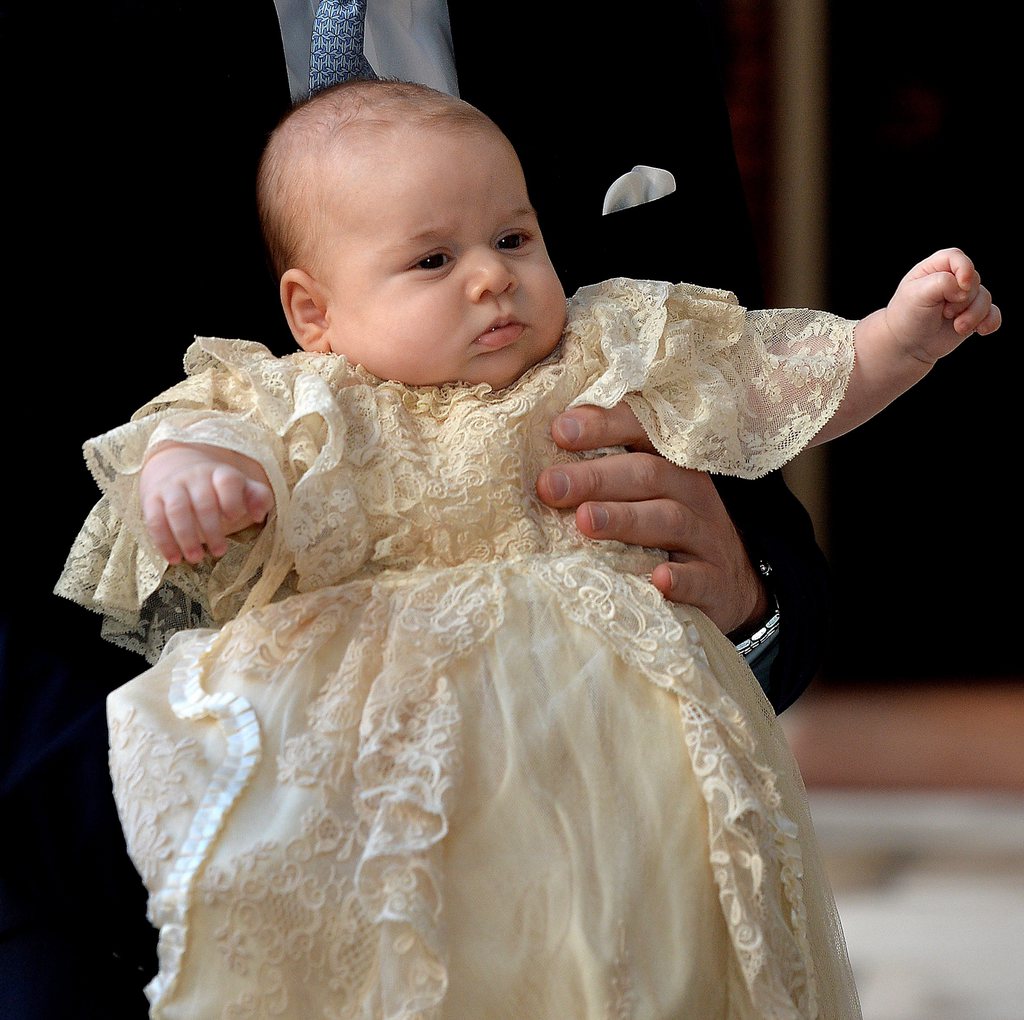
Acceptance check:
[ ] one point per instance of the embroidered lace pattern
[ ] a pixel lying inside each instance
(147, 777)
(747, 824)
(403, 526)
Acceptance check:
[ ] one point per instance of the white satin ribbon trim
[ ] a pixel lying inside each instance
(238, 722)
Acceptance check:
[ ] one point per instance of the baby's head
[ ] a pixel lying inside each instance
(399, 223)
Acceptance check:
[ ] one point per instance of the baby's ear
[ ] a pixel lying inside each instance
(305, 308)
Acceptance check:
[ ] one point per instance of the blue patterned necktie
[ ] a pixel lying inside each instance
(336, 51)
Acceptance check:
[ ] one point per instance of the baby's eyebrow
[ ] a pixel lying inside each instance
(430, 235)
(524, 210)
(412, 245)
(441, 232)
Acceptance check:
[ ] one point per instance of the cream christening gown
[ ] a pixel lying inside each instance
(417, 748)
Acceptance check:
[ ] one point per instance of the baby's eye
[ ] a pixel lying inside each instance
(509, 242)
(435, 261)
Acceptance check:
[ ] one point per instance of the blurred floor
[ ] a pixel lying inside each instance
(917, 796)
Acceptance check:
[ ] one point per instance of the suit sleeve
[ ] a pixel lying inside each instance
(777, 529)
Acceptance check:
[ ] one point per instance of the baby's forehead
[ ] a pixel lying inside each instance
(370, 152)
(391, 136)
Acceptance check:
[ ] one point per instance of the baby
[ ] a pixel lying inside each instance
(431, 269)
(416, 747)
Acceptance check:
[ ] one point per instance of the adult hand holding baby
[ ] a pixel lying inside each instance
(640, 498)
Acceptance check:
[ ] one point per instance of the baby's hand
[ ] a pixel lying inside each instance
(194, 496)
(938, 304)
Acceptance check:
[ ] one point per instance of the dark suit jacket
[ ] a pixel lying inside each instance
(149, 129)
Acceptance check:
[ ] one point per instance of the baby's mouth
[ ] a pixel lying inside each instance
(501, 334)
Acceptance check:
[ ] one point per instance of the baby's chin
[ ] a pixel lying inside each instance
(498, 377)
(501, 369)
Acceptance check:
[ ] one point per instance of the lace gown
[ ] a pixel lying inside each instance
(417, 748)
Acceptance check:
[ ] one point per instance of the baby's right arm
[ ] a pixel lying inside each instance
(193, 495)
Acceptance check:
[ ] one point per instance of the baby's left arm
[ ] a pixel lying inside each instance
(937, 305)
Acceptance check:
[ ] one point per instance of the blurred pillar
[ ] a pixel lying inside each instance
(777, 89)
(800, 252)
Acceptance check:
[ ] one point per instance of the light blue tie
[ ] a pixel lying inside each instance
(336, 50)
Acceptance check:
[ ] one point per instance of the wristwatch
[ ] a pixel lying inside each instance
(769, 627)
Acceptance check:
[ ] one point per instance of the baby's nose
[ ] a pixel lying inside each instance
(490, 274)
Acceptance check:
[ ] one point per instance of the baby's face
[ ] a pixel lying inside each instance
(435, 269)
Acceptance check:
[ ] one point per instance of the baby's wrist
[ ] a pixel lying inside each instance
(912, 355)
(158, 449)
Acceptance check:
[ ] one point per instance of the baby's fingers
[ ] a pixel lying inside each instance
(970, 308)
(991, 322)
(218, 503)
(980, 316)
(937, 289)
(945, 260)
(243, 501)
(259, 501)
(962, 267)
(228, 485)
(197, 523)
(157, 526)
(172, 525)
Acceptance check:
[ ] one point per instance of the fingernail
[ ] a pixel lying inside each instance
(568, 428)
(558, 484)
(598, 517)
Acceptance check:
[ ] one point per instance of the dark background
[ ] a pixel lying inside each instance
(925, 500)
(923, 512)
(125, 130)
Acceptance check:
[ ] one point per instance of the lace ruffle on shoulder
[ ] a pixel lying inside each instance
(716, 387)
(236, 395)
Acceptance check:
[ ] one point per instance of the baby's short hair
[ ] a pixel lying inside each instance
(291, 207)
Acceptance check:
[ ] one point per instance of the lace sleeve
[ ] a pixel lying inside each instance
(236, 396)
(715, 386)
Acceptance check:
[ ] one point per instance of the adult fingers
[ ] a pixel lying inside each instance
(654, 523)
(592, 428)
(729, 598)
(628, 477)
